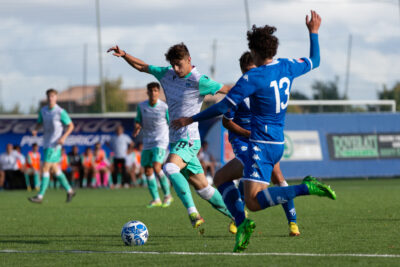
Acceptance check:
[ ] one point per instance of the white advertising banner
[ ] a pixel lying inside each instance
(302, 146)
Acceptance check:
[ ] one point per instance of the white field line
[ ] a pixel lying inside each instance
(202, 253)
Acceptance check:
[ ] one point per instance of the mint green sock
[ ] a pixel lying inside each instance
(218, 203)
(182, 189)
(152, 185)
(84, 182)
(44, 185)
(63, 180)
(119, 178)
(27, 182)
(57, 183)
(165, 185)
(51, 183)
(36, 179)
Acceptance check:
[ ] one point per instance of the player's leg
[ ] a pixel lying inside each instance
(157, 160)
(63, 181)
(172, 169)
(289, 208)
(27, 174)
(146, 162)
(44, 184)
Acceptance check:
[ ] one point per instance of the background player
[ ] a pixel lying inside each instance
(53, 117)
(237, 121)
(268, 87)
(184, 88)
(153, 119)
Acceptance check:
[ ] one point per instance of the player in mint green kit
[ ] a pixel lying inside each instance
(53, 117)
(152, 120)
(184, 88)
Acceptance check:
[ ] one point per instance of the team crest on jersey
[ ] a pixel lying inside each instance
(243, 148)
(246, 77)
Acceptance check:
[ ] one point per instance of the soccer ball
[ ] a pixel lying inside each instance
(134, 233)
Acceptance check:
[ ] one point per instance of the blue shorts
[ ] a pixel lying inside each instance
(239, 147)
(260, 161)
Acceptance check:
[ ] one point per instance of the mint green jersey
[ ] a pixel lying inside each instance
(184, 97)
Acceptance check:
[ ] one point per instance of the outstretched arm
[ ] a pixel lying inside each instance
(313, 25)
(133, 61)
(235, 128)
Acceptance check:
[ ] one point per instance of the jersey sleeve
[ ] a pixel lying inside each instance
(138, 118)
(158, 72)
(298, 67)
(40, 118)
(231, 113)
(167, 115)
(207, 86)
(242, 89)
(65, 119)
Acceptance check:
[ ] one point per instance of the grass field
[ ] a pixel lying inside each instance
(363, 220)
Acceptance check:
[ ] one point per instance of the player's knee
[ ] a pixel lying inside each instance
(171, 168)
(252, 204)
(148, 171)
(218, 178)
(206, 192)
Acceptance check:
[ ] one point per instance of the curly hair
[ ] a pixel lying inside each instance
(262, 41)
(177, 52)
(245, 61)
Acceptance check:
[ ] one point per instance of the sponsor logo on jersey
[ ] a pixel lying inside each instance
(255, 166)
(255, 174)
(256, 157)
(256, 148)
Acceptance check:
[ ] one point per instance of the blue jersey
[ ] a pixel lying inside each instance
(241, 115)
(268, 88)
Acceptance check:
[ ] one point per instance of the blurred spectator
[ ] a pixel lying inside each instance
(101, 167)
(33, 167)
(88, 166)
(21, 166)
(132, 164)
(64, 164)
(119, 145)
(206, 159)
(75, 164)
(13, 178)
(140, 177)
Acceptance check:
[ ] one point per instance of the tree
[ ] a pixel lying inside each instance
(393, 93)
(114, 95)
(327, 91)
(295, 95)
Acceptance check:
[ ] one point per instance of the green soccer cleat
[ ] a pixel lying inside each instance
(167, 201)
(154, 204)
(196, 219)
(244, 232)
(318, 188)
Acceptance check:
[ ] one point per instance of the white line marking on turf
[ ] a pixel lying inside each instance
(202, 253)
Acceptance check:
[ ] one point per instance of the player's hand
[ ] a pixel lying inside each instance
(314, 23)
(61, 141)
(34, 132)
(181, 122)
(117, 52)
(136, 132)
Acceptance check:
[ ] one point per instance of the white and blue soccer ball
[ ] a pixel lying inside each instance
(134, 233)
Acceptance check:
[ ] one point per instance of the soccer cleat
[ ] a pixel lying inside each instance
(244, 232)
(167, 201)
(318, 188)
(35, 199)
(28, 188)
(196, 219)
(232, 227)
(293, 229)
(154, 204)
(70, 196)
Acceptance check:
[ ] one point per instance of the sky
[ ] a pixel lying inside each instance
(42, 42)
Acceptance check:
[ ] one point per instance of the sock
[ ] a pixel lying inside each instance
(110, 180)
(288, 207)
(51, 183)
(215, 199)
(44, 184)
(98, 179)
(192, 210)
(105, 179)
(119, 179)
(56, 184)
(36, 179)
(27, 182)
(278, 195)
(93, 181)
(84, 182)
(233, 201)
(164, 183)
(144, 180)
(152, 185)
(63, 180)
(180, 184)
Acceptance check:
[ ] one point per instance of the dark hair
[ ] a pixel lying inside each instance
(177, 52)
(152, 85)
(262, 41)
(50, 91)
(34, 144)
(245, 61)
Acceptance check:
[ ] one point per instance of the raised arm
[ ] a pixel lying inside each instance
(313, 25)
(133, 61)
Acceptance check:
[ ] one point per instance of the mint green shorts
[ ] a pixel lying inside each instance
(52, 155)
(188, 150)
(156, 154)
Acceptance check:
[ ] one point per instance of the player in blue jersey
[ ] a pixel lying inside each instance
(237, 121)
(268, 88)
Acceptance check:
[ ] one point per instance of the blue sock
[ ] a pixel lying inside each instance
(278, 195)
(233, 201)
(290, 211)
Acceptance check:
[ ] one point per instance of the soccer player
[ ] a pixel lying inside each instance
(237, 121)
(53, 117)
(153, 119)
(184, 88)
(33, 166)
(268, 88)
